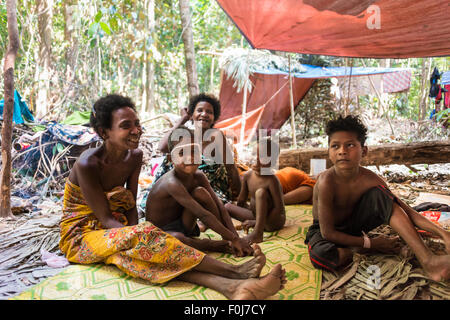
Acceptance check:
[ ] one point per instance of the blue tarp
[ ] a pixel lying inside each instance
(314, 72)
(21, 110)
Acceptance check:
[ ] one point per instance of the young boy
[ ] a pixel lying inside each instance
(183, 195)
(266, 211)
(350, 200)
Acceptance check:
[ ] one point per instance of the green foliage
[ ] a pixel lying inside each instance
(3, 29)
(111, 43)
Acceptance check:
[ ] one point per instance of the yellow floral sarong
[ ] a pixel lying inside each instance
(141, 250)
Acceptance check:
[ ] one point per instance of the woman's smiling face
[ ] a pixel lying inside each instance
(203, 115)
(125, 129)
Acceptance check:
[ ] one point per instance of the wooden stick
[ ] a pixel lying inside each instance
(291, 95)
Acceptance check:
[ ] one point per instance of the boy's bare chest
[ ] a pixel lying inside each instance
(346, 197)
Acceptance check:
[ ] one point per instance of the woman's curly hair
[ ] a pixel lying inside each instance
(211, 99)
(103, 108)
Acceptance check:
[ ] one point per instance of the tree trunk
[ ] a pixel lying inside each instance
(189, 52)
(71, 49)
(43, 70)
(148, 80)
(8, 109)
(406, 154)
(424, 88)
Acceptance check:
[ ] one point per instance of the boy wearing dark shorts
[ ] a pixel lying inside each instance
(349, 201)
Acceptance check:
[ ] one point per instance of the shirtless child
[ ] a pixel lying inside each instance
(266, 211)
(183, 195)
(350, 200)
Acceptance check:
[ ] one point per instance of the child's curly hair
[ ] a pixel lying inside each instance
(349, 123)
(178, 134)
(208, 98)
(103, 108)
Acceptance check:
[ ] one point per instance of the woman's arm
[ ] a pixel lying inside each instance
(89, 181)
(163, 144)
(132, 185)
(230, 165)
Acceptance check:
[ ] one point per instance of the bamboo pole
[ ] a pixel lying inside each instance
(291, 94)
(244, 111)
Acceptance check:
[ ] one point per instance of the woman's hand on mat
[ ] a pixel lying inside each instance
(241, 248)
(386, 244)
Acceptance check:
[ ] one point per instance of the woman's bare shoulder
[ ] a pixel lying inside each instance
(89, 159)
(136, 154)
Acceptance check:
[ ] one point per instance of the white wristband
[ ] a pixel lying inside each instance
(366, 241)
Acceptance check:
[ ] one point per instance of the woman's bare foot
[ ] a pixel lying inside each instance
(261, 288)
(252, 268)
(438, 267)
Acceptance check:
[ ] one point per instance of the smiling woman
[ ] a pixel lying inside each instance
(204, 110)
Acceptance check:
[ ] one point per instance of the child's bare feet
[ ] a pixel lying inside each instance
(246, 225)
(252, 268)
(201, 226)
(261, 288)
(438, 267)
(254, 238)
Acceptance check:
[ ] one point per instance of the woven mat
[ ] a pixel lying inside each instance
(91, 282)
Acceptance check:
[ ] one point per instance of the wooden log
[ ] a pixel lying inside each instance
(429, 152)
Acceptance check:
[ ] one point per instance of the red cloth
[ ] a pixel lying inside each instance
(447, 96)
(350, 28)
(232, 127)
(277, 109)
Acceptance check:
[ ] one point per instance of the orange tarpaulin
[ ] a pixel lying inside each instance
(352, 28)
(271, 90)
(232, 127)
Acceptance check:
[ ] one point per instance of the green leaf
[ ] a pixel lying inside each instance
(98, 17)
(93, 29)
(93, 43)
(105, 28)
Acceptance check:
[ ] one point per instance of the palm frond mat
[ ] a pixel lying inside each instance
(107, 282)
(385, 277)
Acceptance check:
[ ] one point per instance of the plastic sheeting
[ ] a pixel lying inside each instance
(352, 28)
